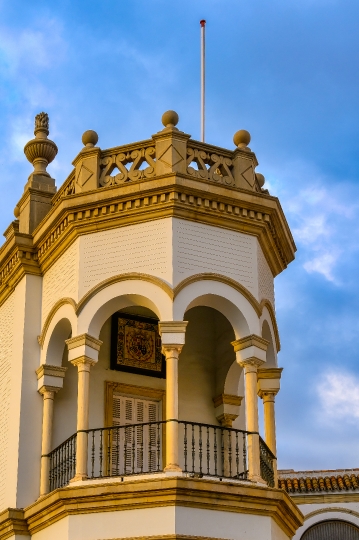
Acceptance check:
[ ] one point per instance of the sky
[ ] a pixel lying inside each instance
(285, 71)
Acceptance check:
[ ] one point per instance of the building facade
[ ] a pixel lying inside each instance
(138, 339)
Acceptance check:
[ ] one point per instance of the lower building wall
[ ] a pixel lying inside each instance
(332, 509)
(162, 522)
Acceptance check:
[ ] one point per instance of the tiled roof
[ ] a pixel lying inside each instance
(319, 481)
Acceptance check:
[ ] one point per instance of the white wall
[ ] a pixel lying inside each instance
(61, 280)
(265, 278)
(7, 331)
(317, 512)
(204, 248)
(162, 521)
(144, 247)
(21, 407)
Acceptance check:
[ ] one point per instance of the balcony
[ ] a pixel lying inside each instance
(204, 450)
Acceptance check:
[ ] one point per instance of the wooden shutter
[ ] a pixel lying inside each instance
(135, 449)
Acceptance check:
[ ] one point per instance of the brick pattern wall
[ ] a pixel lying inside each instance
(61, 280)
(6, 341)
(203, 248)
(265, 278)
(144, 248)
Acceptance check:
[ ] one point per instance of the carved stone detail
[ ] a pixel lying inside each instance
(210, 166)
(137, 157)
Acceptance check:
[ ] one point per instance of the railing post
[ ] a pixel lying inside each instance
(171, 146)
(251, 353)
(268, 387)
(173, 338)
(50, 381)
(83, 353)
(87, 164)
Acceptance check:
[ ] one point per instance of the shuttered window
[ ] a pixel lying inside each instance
(135, 449)
(332, 530)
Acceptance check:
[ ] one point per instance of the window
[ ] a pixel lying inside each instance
(332, 530)
(135, 448)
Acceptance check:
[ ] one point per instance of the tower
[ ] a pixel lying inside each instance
(138, 330)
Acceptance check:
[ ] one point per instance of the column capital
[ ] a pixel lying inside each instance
(268, 395)
(268, 382)
(83, 349)
(48, 392)
(250, 351)
(226, 407)
(50, 377)
(172, 334)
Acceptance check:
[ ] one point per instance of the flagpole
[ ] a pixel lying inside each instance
(203, 79)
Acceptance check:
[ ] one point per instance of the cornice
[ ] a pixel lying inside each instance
(12, 523)
(153, 493)
(147, 200)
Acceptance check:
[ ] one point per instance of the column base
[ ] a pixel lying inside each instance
(257, 479)
(79, 478)
(172, 467)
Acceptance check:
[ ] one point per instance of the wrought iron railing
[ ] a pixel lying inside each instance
(63, 463)
(266, 461)
(126, 450)
(204, 450)
(213, 450)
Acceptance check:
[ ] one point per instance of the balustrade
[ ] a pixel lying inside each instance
(204, 451)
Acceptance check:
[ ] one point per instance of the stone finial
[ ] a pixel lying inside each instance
(41, 151)
(42, 122)
(242, 138)
(90, 138)
(170, 119)
(260, 179)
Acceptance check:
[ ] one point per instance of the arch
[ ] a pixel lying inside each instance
(222, 297)
(271, 355)
(267, 308)
(327, 513)
(117, 279)
(60, 323)
(331, 528)
(118, 295)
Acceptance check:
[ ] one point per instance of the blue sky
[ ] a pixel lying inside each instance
(287, 72)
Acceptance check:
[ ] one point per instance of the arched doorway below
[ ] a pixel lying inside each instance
(334, 529)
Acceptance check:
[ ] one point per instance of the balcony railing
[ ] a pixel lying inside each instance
(204, 450)
(267, 463)
(63, 463)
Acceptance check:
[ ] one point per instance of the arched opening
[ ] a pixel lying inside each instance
(205, 362)
(332, 529)
(271, 356)
(65, 403)
(105, 381)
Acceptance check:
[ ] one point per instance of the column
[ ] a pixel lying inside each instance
(50, 381)
(83, 353)
(173, 338)
(268, 388)
(226, 411)
(250, 355)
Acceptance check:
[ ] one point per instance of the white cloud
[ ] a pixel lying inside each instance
(339, 396)
(32, 49)
(323, 264)
(322, 216)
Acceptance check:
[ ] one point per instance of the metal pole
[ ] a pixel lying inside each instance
(203, 80)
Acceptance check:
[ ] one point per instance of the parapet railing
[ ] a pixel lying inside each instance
(163, 154)
(134, 449)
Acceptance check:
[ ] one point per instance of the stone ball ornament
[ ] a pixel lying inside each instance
(242, 138)
(170, 119)
(90, 138)
(41, 150)
(260, 179)
(16, 211)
